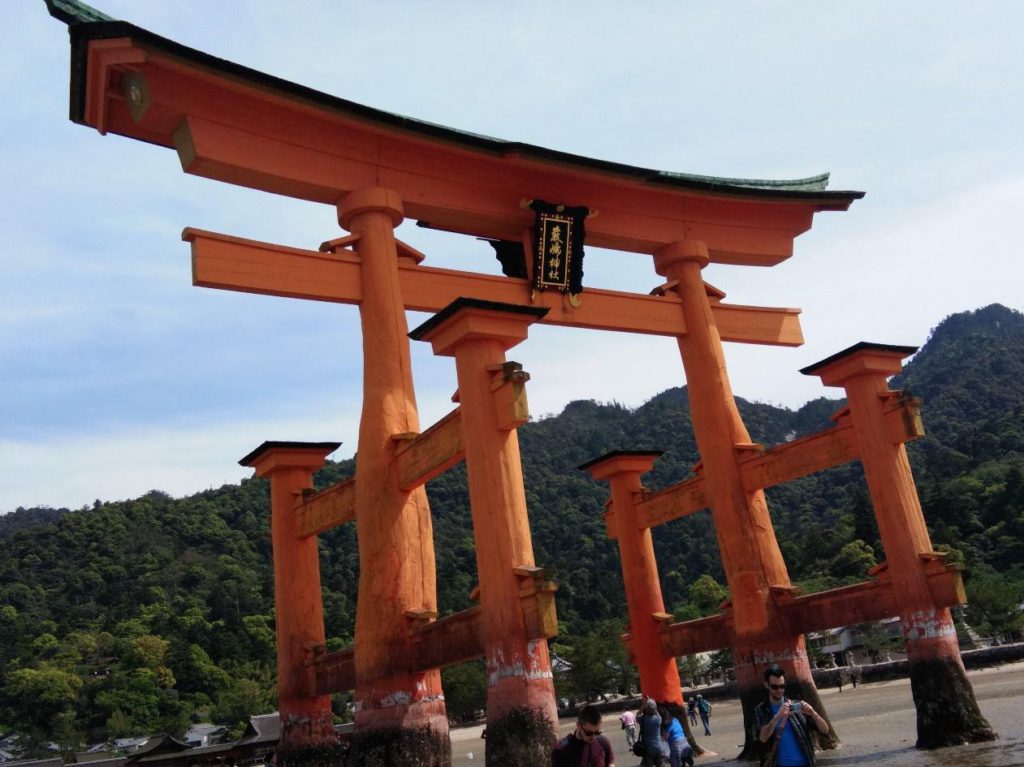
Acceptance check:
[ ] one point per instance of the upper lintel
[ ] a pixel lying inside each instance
(320, 147)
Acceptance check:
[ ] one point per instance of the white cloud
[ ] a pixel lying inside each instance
(74, 469)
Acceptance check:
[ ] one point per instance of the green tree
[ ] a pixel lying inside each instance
(36, 698)
(465, 690)
(853, 560)
(706, 594)
(239, 700)
(994, 604)
(589, 674)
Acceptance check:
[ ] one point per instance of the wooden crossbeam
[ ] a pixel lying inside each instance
(774, 466)
(859, 603)
(422, 457)
(232, 263)
(329, 508)
(437, 643)
(674, 502)
(333, 672)
(449, 640)
(828, 448)
(700, 635)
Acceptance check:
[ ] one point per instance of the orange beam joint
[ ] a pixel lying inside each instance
(317, 512)
(509, 389)
(333, 672)
(537, 599)
(869, 600)
(762, 467)
(446, 641)
(696, 636)
(421, 457)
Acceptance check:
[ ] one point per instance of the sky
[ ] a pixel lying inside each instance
(118, 377)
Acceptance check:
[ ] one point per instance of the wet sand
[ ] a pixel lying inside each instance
(876, 723)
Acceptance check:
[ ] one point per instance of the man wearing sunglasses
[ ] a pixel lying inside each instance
(585, 746)
(782, 725)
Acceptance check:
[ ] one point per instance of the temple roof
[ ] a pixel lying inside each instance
(86, 23)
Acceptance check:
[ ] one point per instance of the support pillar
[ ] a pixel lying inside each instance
(659, 674)
(400, 716)
(522, 720)
(947, 712)
(751, 557)
(306, 719)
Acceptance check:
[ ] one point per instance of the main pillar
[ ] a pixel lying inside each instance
(522, 720)
(659, 674)
(400, 715)
(306, 720)
(751, 557)
(947, 712)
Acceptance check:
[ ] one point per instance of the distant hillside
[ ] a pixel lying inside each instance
(22, 518)
(130, 616)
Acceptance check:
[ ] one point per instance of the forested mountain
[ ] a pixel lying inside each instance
(134, 616)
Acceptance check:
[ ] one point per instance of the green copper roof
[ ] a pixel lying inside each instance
(86, 23)
(74, 12)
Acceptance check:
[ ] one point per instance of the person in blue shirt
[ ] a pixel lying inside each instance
(679, 751)
(781, 725)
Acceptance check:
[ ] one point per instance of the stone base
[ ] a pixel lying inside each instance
(947, 712)
(400, 747)
(522, 737)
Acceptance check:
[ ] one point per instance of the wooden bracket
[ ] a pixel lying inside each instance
(664, 288)
(333, 246)
(508, 384)
(537, 599)
(420, 616)
(405, 250)
(314, 652)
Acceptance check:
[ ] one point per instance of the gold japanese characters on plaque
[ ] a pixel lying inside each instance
(558, 235)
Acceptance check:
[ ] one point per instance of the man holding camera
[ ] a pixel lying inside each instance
(781, 725)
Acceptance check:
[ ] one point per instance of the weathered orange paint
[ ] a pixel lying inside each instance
(750, 553)
(947, 711)
(396, 551)
(901, 523)
(518, 668)
(306, 718)
(659, 675)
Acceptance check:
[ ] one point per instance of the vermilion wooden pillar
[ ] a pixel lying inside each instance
(659, 675)
(751, 557)
(306, 720)
(947, 713)
(522, 719)
(400, 715)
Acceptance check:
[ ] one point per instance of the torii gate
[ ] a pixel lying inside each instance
(236, 125)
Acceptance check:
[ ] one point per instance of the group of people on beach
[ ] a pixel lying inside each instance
(782, 727)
